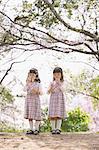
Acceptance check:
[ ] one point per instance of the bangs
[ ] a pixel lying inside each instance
(57, 70)
(33, 71)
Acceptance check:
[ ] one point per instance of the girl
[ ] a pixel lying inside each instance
(57, 104)
(32, 102)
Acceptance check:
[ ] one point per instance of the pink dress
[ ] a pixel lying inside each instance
(57, 102)
(32, 102)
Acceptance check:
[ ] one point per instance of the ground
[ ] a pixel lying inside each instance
(46, 141)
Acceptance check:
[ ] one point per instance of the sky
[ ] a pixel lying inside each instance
(45, 63)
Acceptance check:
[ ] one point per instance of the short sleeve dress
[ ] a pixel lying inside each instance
(32, 102)
(57, 101)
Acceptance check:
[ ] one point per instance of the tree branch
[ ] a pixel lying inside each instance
(66, 42)
(6, 73)
(65, 50)
(84, 94)
(85, 32)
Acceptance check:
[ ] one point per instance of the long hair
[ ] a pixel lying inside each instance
(58, 70)
(35, 71)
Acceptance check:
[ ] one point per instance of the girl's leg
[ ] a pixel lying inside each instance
(37, 125)
(53, 124)
(31, 127)
(31, 124)
(58, 126)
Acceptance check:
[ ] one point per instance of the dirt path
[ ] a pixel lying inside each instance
(68, 141)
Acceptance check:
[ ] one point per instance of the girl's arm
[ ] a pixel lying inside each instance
(26, 88)
(29, 88)
(38, 90)
(63, 87)
(50, 89)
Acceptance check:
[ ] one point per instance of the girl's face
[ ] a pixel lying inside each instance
(57, 76)
(31, 77)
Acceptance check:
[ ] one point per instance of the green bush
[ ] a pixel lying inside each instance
(76, 121)
(5, 95)
(45, 125)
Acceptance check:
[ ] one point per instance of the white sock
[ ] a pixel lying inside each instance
(37, 125)
(31, 124)
(53, 124)
(58, 124)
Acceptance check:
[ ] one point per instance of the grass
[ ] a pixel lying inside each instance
(5, 128)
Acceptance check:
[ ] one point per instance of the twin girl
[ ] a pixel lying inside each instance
(56, 104)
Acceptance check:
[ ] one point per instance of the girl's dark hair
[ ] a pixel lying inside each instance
(35, 71)
(59, 70)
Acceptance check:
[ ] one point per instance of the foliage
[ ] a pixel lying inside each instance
(45, 126)
(84, 83)
(5, 96)
(4, 127)
(94, 89)
(69, 8)
(76, 121)
(58, 20)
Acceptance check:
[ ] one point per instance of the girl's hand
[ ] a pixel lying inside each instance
(49, 91)
(35, 91)
(51, 88)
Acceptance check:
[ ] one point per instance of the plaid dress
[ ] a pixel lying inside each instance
(57, 102)
(32, 102)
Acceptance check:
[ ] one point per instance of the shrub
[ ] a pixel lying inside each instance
(45, 125)
(76, 121)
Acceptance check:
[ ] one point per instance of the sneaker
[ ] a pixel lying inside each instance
(53, 131)
(36, 132)
(29, 132)
(58, 131)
